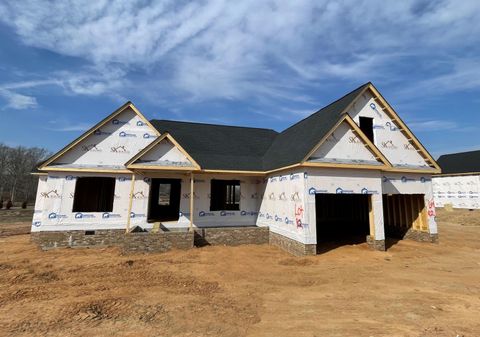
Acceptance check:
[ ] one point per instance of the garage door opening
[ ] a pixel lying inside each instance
(341, 219)
(402, 212)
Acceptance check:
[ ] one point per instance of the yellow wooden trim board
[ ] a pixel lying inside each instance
(83, 169)
(166, 135)
(371, 217)
(161, 168)
(95, 127)
(410, 170)
(235, 172)
(39, 173)
(324, 138)
(345, 165)
(403, 127)
(387, 166)
(372, 148)
(457, 174)
(192, 193)
(130, 203)
(370, 145)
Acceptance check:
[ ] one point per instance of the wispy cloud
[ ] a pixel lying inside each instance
(236, 50)
(68, 128)
(18, 101)
(268, 53)
(432, 125)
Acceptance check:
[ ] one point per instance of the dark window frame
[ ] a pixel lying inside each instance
(367, 127)
(224, 195)
(94, 194)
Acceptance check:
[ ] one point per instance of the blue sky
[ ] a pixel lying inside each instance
(65, 65)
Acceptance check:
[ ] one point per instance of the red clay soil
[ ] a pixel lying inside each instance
(413, 289)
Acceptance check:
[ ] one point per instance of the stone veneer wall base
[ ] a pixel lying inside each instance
(292, 246)
(411, 234)
(376, 244)
(231, 236)
(128, 242)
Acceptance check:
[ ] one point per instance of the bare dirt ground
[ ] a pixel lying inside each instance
(15, 221)
(413, 289)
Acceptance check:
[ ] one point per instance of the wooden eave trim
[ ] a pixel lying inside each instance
(403, 127)
(259, 173)
(95, 127)
(324, 138)
(456, 174)
(170, 137)
(161, 168)
(145, 120)
(150, 146)
(344, 165)
(83, 169)
(410, 170)
(371, 147)
(367, 141)
(145, 150)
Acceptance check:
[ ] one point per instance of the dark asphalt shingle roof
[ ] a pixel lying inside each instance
(463, 162)
(294, 143)
(220, 147)
(223, 147)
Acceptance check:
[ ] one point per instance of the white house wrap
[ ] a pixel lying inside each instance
(355, 155)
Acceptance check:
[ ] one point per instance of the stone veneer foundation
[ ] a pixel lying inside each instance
(376, 244)
(411, 234)
(152, 242)
(182, 239)
(129, 242)
(231, 236)
(292, 246)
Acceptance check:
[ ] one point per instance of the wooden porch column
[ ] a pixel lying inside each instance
(130, 201)
(190, 228)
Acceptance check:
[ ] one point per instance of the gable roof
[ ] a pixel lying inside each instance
(247, 149)
(165, 136)
(220, 147)
(223, 147)
(463, 162)
(293, 144)
(345, 118)
(44, 164)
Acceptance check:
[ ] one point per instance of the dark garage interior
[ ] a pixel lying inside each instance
(341, 219)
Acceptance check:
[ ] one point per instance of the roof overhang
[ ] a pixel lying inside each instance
(44, 166)
(131, 165)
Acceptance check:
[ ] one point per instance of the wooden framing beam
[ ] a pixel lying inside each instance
(130, 202)
(414, 207)
(83, 169)
(371, 217)
(166, 135)
(407, 211)
(423, 214)
(403, 128)
(192, 191)
(94, 128)
(420, 206)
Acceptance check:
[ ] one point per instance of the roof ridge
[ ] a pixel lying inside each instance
(455, 153)
(326, 106)
(211, 124)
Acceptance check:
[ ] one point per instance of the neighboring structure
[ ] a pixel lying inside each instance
(459, 183)
(353, 167)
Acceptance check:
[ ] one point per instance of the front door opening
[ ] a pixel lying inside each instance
(164, 200)
(342, 219)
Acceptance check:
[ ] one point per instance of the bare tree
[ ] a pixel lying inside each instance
(16, 165)
(3, 168)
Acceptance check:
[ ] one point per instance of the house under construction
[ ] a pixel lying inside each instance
(350, 170)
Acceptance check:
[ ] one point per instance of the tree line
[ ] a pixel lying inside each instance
(17, 184)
